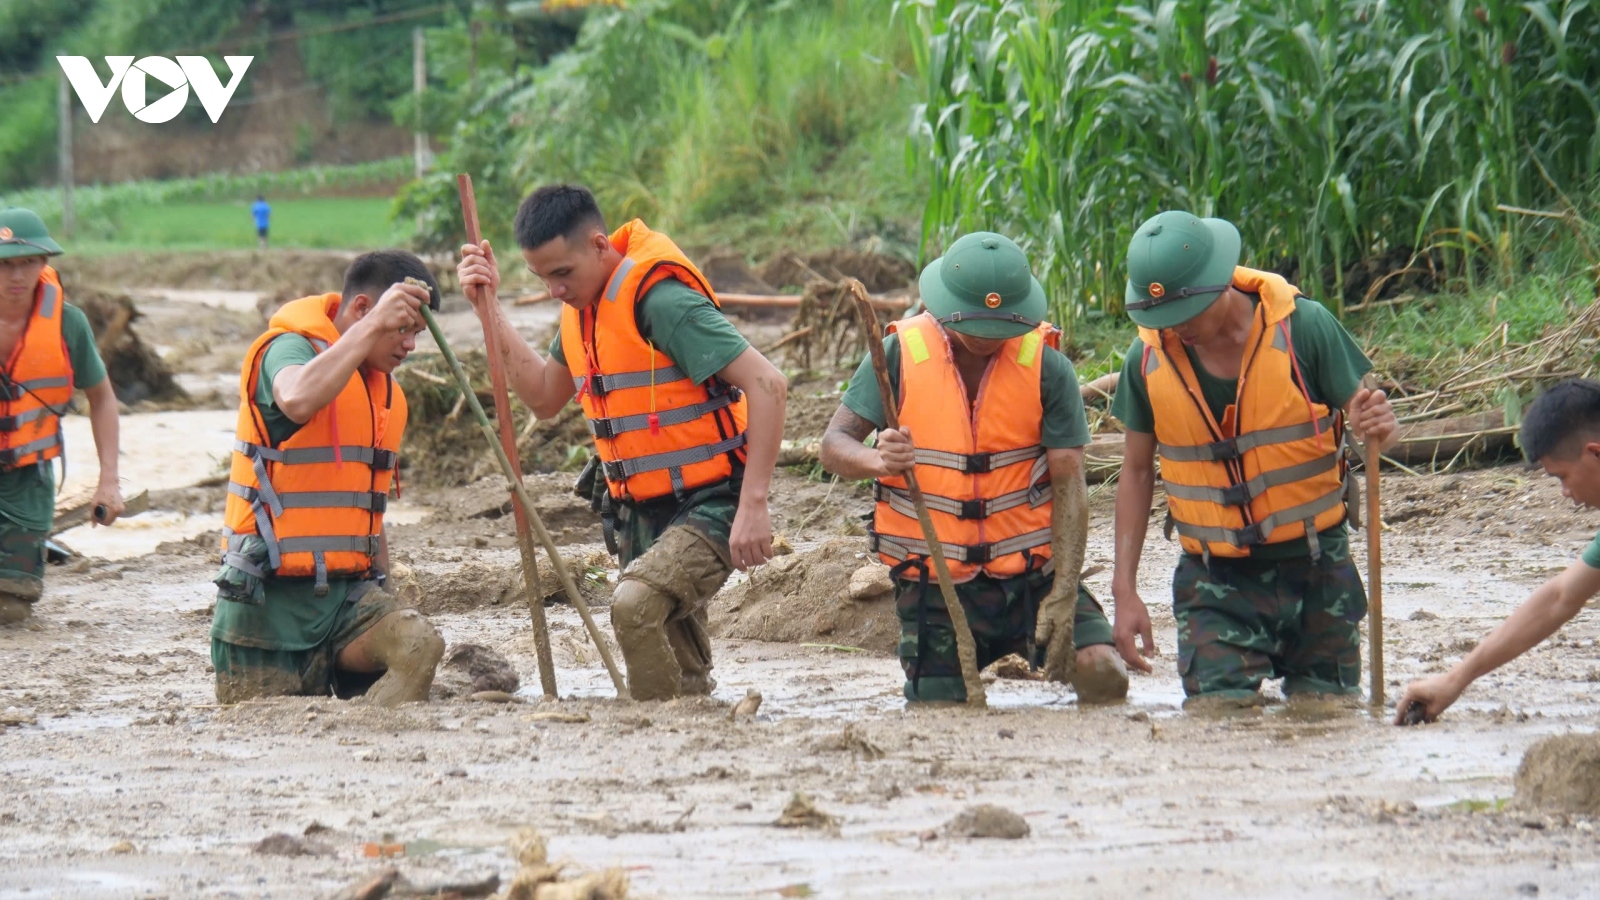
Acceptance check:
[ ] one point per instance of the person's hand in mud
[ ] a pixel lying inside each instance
(1372, 418)
(108, 503)
(895, 451)
(1434, 694)
(479, 274)
(1132, 620)
(750, 541)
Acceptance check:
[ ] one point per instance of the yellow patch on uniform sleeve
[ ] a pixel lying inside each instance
(1029, 349)
(917, 346)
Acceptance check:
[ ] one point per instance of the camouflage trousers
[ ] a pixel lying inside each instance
(244, 672)
(1242, 621)
(674, 555)
(21, 570)
(1002, 613)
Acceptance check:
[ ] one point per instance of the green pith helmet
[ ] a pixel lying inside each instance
(982, 287)
(1178, 265)
(22, 233)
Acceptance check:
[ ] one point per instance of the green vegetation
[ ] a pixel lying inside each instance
(1341, 136)
(766, 123)
(332, 223)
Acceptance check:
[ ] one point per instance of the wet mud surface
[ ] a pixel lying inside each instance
(126, 779)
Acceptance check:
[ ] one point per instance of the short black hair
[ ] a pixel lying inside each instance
(260, 197)
(1559, 418)
(556, 210)
(373, 273)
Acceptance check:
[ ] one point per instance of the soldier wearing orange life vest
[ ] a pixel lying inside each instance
(685, 414)
(47, 350)
(993, 424)
(1243, 388)
(301, 607)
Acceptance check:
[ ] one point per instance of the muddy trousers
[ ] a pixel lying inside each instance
(21, 570)
(659, 614)
(1242, 621)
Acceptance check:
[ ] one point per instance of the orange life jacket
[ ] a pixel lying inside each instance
(318, 499)
(1271, 471)
(37, 383)
(983, 475)
(657, 432)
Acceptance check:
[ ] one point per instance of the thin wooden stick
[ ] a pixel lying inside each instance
(1374, 572)
(521, 496)
(508, 443)
(966, 647)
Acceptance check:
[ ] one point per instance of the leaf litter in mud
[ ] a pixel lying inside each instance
(801, 812)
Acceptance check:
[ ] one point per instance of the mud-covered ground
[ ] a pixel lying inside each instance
(122, 746)
(123, 778)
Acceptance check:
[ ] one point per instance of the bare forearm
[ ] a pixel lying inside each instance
(843, 454)
(303, 391)
(768, 399)
(1541, 615)
(106, 426)
(525, 368)
(1135, 494)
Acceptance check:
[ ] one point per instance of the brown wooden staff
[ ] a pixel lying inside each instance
(508, 444)
(1374, 573)
(966, 647)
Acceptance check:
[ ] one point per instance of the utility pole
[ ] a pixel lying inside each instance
(419, 84)
(64, 150)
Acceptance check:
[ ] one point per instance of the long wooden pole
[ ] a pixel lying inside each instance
(1374, 574)
(521, 495)
(508, 443)
(966, 647)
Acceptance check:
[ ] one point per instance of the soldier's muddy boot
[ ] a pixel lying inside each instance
(658, 613)
(17, 597)
(1100, 676)
(638, 618)
(15, 610)
(408, 648)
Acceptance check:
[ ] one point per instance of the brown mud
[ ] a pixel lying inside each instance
(806, 598)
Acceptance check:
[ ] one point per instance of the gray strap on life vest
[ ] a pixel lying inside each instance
(1242, 494)
(377, 458)
(600, 385)
(902, 547)
(1258, 532)
(1233, 448)
(610, 428)
(674, 459)
(371, 501)
(10, 455)
(977, 462)
(12, 423)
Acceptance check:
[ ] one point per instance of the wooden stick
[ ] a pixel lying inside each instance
(521, 494)
(508, 443)
(1374, 573)
(966, 647)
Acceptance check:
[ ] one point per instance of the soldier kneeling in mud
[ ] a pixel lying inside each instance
(301, 608)
(992, 423)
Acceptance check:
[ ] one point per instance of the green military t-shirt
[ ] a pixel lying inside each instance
(293, 616)
(1065, 424)
(1591, 553)
(1327, 356)
(684, 325)
(28, 495)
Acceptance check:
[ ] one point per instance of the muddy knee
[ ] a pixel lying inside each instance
(406, 639)
(638, 616)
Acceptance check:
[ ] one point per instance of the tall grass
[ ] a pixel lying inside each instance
(1333, 132)
(712, 118)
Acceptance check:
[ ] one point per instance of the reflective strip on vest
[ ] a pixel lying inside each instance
(376, 457)
(10, 455)
(675, 459)
(614, 286)
(1036, 496)
(905, 548)
(372, 501)
(17, 389)
(1257, 533)
(1233, 448)
(600, 385)
(978, 463)
(11, 423)
(1242, 494)
(47, 309)
(331, 544)
(609, 428)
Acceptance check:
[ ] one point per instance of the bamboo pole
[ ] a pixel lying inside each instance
(1374, 573)
(508, 443)
(521, 494)
(966, 647)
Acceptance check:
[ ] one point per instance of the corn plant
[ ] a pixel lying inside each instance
(1334, 133)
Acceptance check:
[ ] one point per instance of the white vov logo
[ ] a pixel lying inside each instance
(187, 72)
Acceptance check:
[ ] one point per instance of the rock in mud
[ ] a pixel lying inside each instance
(806, 597)
(286, 845)
(1562, 774)
(1012, 667)
(403, 584)
(987, 821)
(747, 706)
(471, 669)
(870, 582)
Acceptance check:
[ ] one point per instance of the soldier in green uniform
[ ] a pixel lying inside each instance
(1021, 592)
(33, 305)
(1265, 587)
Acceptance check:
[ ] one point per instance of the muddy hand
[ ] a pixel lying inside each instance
(895, 453)
(1055, 633)
(476, 271)
(1133, 621)
(1425, 699)
(750, 540)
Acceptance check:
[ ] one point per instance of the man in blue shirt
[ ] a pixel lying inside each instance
(262, 212)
